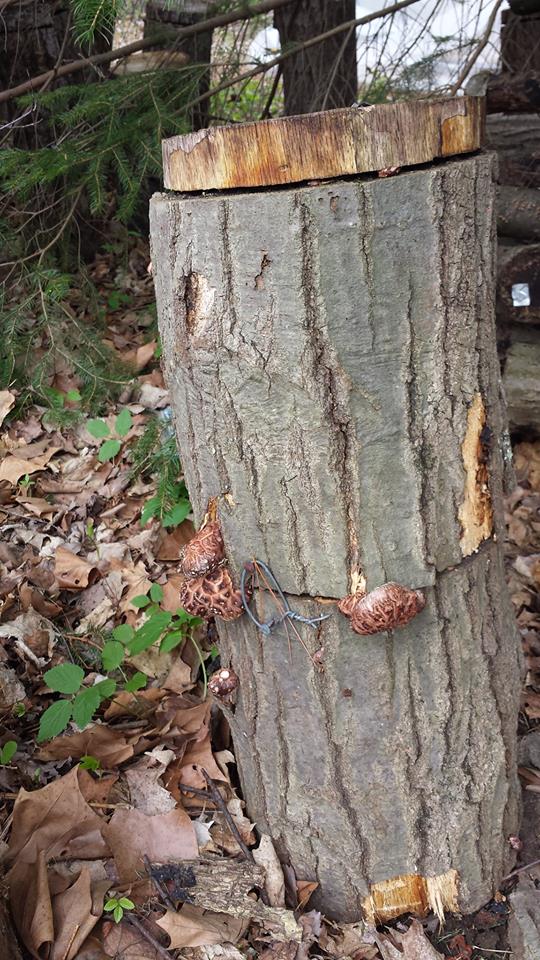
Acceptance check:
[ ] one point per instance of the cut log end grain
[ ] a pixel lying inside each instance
(317, 146)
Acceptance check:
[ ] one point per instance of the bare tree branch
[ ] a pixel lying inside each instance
(483, 42)
(264, 67)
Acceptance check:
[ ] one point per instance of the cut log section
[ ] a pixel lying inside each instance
(330, 353)
(509, 93)
(518, 284)
(321, 145)
(518, 213)
(521, 381)
(517, 142)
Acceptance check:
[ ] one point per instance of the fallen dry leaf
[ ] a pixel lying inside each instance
(73, 919)
(194, 927)
(162, 838)
(72, 572)
(266, 856)
(14, 467)
(147, 794)
(109, 746)
(7, 402)
(127, 943)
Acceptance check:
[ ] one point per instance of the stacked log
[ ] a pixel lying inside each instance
(513, 130)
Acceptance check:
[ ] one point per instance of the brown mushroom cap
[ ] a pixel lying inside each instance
(204, 552)
(212, 595)
(385, 608)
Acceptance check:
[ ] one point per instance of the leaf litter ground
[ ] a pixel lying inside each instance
(128, 838)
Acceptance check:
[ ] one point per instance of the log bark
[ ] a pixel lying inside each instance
(330, 352)
(520, 42)
(518, 265)
(519, 93)
(518, 213)
(325, 76)
(520, 378)
(159, 14)
(37, 36)
(517, 142)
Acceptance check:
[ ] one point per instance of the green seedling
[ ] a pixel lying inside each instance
(112, 440)
(117, 906)
(7, 752)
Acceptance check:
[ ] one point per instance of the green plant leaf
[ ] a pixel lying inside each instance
(108, 450)
(105, 688)
(140, 601)
(150, 509)
(112, 654)
(171, 641)
(8, 751)
(123, 632)
(137, 682)
(156, 592)
(73, 396)
(122, 424)
(85, 705)
(88, 762)
(118, 913)
(126, 903)
(65, 678)
(98, 429)
(111, 904)
(150, 631)
(54, 720)
(177, 515)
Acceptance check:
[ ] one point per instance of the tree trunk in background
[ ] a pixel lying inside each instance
(160, 14)
(324, 76)
(330, 353)
(35, 36)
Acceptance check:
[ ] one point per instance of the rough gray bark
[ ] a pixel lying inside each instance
(518, 213)
(324, 76)
(324, 346)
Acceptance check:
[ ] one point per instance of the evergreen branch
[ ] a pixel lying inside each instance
(202, 26)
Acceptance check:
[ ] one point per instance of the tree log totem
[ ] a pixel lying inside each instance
(330, 353)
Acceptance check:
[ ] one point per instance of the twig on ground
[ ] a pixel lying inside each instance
(218, 799)
(129, 918)
(158, 885)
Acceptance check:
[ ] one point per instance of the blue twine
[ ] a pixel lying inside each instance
(288, 614)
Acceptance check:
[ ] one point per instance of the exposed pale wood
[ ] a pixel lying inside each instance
(323, 346)
(518, 264)
(321, 145)
(518, 213)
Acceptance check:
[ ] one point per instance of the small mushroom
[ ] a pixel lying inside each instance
(212, 595)
(204, 552)
(223, 683)
(385, 608)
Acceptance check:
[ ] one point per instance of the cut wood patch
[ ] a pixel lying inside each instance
(412, 893)
(333, 143)
(476, 511)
